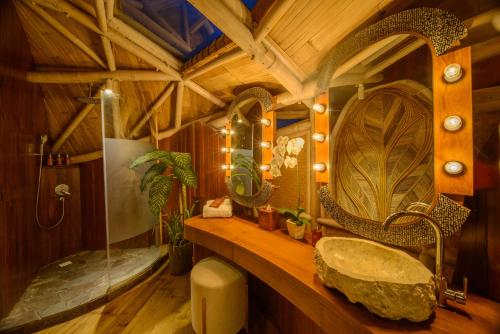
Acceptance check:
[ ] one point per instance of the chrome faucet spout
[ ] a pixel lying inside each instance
(443, 293)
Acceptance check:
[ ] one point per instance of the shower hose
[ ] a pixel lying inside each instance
(44, 139)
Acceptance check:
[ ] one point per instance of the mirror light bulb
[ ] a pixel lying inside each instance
(108, 91)
(226, 149)
(454, 167)
(265, 121)
(240, 120)
(224, 131)
(319, 108)
(452, 73)
(265, 144)
(453, 123)
(265, 167)
(319, 137)
(319, 167)
(226, 167)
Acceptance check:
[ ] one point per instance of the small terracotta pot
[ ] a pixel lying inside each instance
(295, 231)
(269, 220)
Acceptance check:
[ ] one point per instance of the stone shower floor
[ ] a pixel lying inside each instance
(57, 289)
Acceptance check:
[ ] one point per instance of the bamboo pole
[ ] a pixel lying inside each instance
(87, 77)
(63, 137)
(179, 104)
(203, 92)
(65, 32)
(106, 44)
(153, 110)
(110, 7)
(273, 15)
(237, 31)
(86, 157)
(224, 59)
(284, 58)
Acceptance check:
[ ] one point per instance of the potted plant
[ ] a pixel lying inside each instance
(295, 222)
(159, 178)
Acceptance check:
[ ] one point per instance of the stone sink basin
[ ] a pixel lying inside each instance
(388, 282)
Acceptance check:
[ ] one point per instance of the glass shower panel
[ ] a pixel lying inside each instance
(132, 246)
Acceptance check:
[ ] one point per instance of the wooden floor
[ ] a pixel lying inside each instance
(159, 305)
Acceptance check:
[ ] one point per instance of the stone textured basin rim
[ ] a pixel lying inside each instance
(388, 282)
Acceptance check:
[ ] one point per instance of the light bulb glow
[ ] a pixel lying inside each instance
(240, 120)
(224, 131)
(226, 167)
(319, 137)
(453, 123)
(108, 91)
(319, 108)
(319, 167)
(227, 149)
(265, 144)
(452, 73)
(265, 121)
(454, 167)
(265, 168)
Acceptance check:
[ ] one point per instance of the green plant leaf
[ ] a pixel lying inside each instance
(159, 192)
(186, 176)
(151, 173)
(181, 159)
(151, 156)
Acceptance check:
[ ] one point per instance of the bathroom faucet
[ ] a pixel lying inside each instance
(443, 293)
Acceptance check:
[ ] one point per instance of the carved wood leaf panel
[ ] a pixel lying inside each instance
(383, 152)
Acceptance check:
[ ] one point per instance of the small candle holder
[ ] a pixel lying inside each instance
(269, 218)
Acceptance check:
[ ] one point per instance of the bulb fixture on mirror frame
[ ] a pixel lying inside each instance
(265, 144)
(319, 108)
(319, 167)
(224, 131)
(265, 168)
(227, 149)
(265, 121)
(454, 168)
(240, 120)
(319, 137)
(453, 123)
(452, 73)
(108, 91)
(226, 167)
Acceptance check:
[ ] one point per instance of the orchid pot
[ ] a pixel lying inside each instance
(295, 231)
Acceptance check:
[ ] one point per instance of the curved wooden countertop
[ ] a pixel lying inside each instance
(286, 265)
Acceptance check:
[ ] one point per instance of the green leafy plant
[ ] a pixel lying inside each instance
(245, 166)
(160, 185)
(294, 215)
(175, 229)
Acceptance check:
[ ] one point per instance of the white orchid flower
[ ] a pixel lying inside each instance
(290, 162)
(275, 171)
(298, 145)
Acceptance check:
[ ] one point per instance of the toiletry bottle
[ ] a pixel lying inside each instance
(50, 160)
(67, 160)
(59, 159)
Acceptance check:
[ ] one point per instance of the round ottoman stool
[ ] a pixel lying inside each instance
(219, 297)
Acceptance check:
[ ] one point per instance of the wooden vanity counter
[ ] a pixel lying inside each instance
(286, 265)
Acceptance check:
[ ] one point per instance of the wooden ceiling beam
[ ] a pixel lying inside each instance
(179, 99)
(65, 32)
(63, 137)
(284, 57)
(110, 9)
(272, 16)
(154, 109)
(218, 13)
(203, 92)
(87, 77)
(309, 91)
(103, 25)
(486, 49)
(86, 157)
(217, 62)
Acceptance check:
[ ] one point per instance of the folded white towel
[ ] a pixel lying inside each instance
(225, 210)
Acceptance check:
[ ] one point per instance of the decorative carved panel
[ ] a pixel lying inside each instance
(383, 151)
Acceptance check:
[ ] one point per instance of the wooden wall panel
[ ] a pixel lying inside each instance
(93, 205)
(66, 238)
(22, 120)
(204, 144)
(453, 99)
